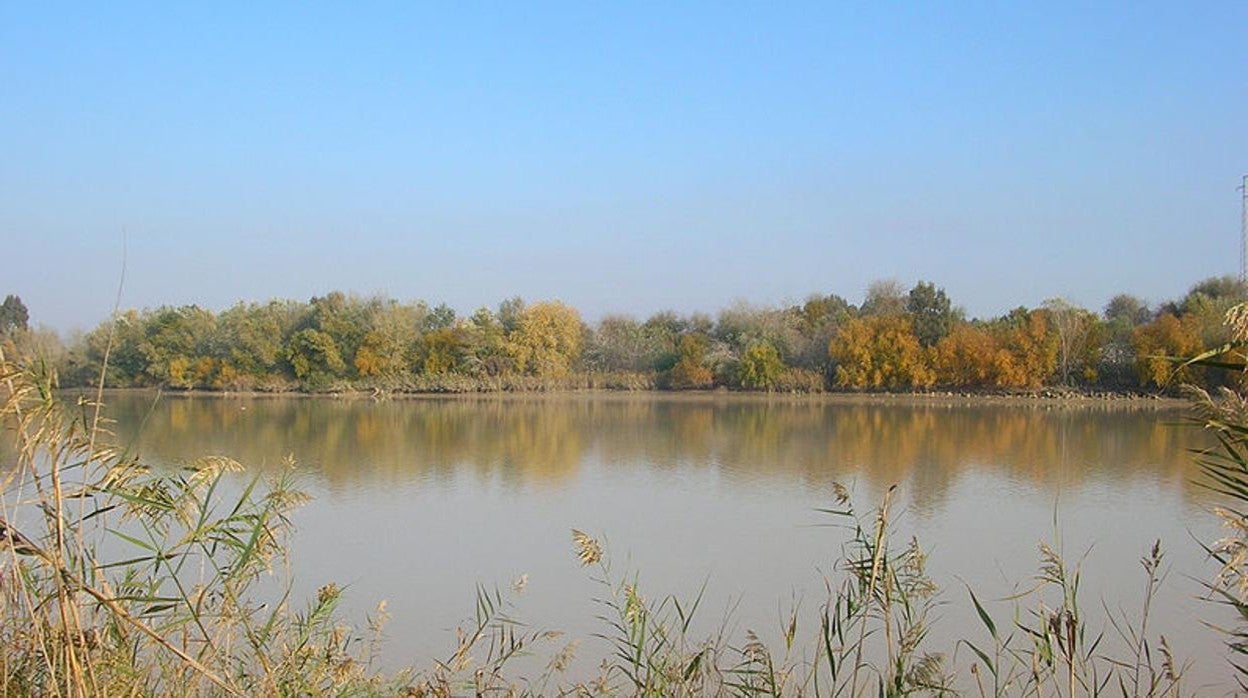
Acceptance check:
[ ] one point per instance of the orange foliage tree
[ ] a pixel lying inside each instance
(965, 358)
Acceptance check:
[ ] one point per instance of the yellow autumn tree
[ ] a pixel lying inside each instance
(546, 340)
(1026, 355)
(1157, 342)
(880, 351)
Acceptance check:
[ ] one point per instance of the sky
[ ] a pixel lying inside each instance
(626, 157)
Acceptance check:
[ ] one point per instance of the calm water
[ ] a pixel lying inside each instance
(416, 501)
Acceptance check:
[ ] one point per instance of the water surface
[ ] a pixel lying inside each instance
(417, 501)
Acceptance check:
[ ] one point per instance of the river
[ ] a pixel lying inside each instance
(417, 501)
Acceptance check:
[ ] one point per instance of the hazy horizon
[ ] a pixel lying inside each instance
(623, 160)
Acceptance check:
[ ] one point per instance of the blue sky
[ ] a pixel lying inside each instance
(629, 157)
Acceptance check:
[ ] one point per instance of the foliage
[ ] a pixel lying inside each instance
(177, 346)
(965, 358)
(818, 320)
(1078, 340)
(1127, 310)
(884, 297)
(1227, 289)
(742, 326)
(253, 339)
(442, 351)
(547, 339)
(345, 342)
(689, 371)
(1027, 349)
(485, 350)
(1158, 341)
(620, 343)
(760, 367)
(315, 358)
(931, 312)
(13, 315)
(390, 341)
(880, 351)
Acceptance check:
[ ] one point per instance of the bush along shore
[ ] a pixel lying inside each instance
(123, 579)
(893, 341)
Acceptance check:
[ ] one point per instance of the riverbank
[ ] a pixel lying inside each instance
(1048, 397)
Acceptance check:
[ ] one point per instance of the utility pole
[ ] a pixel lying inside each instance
(1243, 229)
(1243, 226)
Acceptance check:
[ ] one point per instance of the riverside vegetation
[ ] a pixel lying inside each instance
(116, 578)
(894, 341)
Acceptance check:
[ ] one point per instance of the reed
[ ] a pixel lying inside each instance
(122, 579)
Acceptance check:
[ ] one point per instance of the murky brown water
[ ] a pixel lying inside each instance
(417, 501)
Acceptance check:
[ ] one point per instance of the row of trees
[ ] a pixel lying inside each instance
(895, 340)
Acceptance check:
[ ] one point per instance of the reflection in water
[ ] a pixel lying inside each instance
(540, 442)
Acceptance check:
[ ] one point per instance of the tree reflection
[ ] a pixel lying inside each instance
(544, 441)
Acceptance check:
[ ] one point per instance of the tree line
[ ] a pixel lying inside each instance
(895, 340)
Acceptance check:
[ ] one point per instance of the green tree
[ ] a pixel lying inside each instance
(180, 346)
(442, 351)
(391, 342)
(345, 320)
(1218, 288)
(509, 313)
(315, 358)
(932, 314)
(760, 367)
(1126, 310)
(818, 321)
(439, 318)
(664, 330)
(884, 297)
(254, 338)
(13, 315)
(485, 351)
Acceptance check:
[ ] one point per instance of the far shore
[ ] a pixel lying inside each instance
(1048, 397)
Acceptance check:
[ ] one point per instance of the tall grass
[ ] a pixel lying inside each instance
(1225, 415)
(871, 635)
(120, 579)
